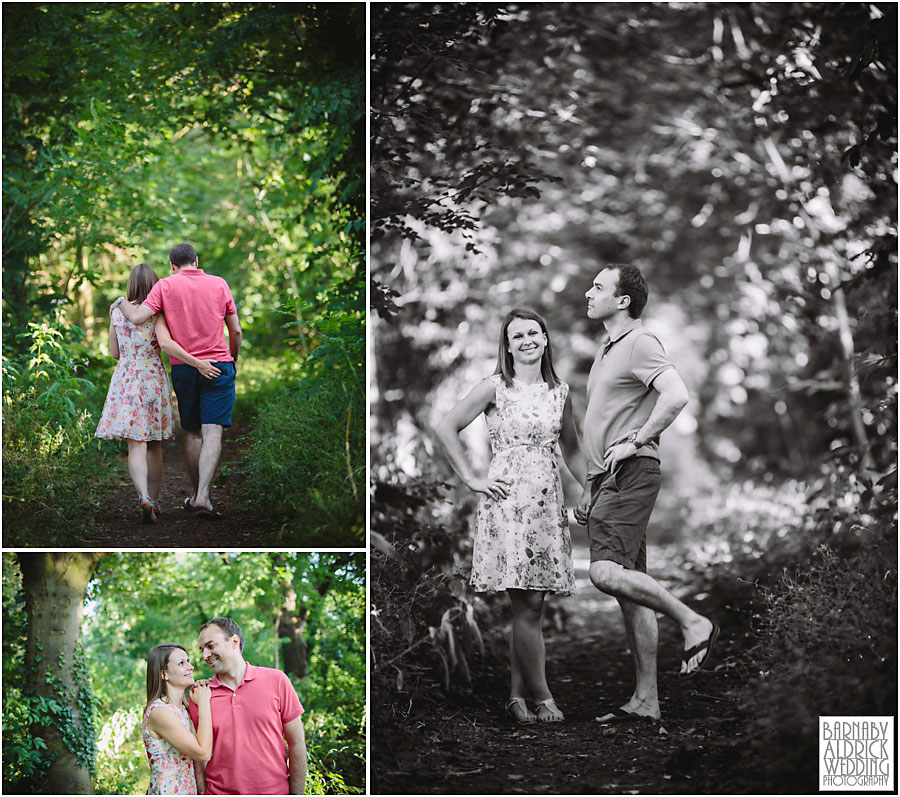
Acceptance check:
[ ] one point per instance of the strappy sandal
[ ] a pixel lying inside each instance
(519, 711)
(146, 506)
(156, 508)
(548, 705)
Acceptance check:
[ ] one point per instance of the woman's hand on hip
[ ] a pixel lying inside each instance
(493, 488)
(207, 369)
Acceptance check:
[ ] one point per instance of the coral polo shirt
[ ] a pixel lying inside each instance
(249, 754)
(195, 305)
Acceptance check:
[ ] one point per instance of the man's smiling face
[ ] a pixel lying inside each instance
(217, 649)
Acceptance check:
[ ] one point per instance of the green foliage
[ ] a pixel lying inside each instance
(335, 720)
(237, 127)
(136, 601)
(53, 474)
(305, 466)
(74, 712)
(121, 758)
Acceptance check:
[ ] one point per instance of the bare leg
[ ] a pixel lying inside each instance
(210, 451)
(137, 465)
(528, 637)
(154, 468)
(192, 442)
(517, 685)
(642, 631)
(643, 589)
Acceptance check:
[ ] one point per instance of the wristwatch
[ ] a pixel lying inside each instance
(632, 438)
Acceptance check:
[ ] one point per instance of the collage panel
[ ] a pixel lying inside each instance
(184, 672)
(184, 275)
(184, 398)
(633, 420)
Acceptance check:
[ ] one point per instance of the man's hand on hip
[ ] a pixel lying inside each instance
(615, 454)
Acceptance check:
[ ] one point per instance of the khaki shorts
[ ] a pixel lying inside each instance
(621, 503)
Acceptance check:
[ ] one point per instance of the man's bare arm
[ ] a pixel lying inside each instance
(200, 774)
(137, 314)
(672, 398)
(296, 740)
(234, 336)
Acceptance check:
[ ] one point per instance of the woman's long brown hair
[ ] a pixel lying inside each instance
(141, 279)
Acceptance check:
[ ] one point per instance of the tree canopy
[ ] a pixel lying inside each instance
(743, 156)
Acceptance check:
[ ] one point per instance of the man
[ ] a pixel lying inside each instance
(254, 711)
(195, 305)
(634, 393)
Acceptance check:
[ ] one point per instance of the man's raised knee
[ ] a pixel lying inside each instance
(605, 575)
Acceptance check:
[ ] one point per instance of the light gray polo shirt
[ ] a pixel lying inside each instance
(620, 393)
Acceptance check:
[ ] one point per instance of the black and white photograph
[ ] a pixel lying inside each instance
(633, 398)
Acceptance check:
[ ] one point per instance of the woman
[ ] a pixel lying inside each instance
(166, 727)
(521, 541)
(138, 406)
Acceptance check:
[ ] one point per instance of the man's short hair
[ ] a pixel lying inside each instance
(228, 626)
(632, 284)
(182, 255)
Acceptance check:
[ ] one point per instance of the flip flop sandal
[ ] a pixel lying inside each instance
(518, 710)
(188, 506)
(619, 716)
(707, 645)
(207, 514)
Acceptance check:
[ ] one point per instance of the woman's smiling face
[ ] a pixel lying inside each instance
(526, 341)
(179, 671)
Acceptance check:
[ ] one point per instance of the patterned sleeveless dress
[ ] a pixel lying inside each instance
(171, 772)
(523, 541)
(138, 403)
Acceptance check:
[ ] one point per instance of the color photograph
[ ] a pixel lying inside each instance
(184, 275)
(184, 673)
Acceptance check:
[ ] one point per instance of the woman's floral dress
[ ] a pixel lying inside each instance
(138, 404)
(171, 772)
(522, 541)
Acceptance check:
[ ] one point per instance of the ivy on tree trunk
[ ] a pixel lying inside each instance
(54, 585)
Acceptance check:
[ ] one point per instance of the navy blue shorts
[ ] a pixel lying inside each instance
(202, 400)
(621, 504)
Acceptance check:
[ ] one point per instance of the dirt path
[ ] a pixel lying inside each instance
(463, 744)
(120, 520)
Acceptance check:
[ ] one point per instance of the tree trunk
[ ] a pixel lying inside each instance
(54, 585)
(290, 625)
